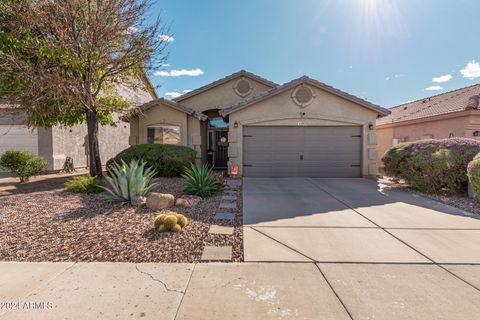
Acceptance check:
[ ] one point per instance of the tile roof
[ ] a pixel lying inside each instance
(225, 79)
(286, 86)
(175, 105)
(452, 101)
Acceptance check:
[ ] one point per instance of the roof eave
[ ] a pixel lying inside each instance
(285, 87)
(172, 104)
(224, 80)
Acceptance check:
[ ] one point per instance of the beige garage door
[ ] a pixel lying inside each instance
(17, 137)
(302, 151)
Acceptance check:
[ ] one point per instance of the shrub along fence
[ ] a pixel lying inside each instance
(433, 166)
(473, 172)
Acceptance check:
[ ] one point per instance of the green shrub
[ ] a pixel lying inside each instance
(128, 181)
(200, 180)
(84, 184)
(167, 160)
(22, 164)
(433, 166)
(473, 172)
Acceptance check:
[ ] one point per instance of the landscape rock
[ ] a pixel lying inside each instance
(188, 201)
(138, 201)
(157, 201)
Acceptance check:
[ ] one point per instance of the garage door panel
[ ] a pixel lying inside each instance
(302, 151)
(271, 171)
(17, 137)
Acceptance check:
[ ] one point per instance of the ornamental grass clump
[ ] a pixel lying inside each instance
(433, 166)
(129, 181)
(170, 222)
(84, 184)
(199, 180)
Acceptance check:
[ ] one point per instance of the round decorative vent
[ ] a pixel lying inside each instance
(303, 95)
(243, 87)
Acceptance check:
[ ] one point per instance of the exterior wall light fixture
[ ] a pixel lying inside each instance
(235, 124)
(370, 126)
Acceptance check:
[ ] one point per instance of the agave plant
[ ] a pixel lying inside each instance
(200, 180)
(127, 181)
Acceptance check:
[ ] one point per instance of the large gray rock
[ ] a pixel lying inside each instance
(187, 201)
(158, 201)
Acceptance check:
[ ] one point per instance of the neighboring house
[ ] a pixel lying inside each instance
(243, 121)
(451, 114)
(57, 143)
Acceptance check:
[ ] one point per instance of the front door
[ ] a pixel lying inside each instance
(217, 149)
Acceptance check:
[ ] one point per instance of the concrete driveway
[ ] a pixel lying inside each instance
(352, 220)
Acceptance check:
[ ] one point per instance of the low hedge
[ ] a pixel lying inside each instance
(167, 160)
(433, 166)
(22, 164)
(473, 172)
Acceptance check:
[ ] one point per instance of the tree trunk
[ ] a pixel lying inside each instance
(95, 162)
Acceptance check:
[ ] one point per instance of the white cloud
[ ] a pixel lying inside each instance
(442, 79)
(173, 94)
(395, 76)
(131, 30)
(165, 38)
(176, 94)
(434, 88)
(471, 70)
(181, 72)
(164, 65)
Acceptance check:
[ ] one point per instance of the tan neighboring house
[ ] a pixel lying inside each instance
(451, 114)
(262, 129)
(57, 143)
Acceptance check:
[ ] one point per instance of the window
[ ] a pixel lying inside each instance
(163, 135)
(218, 122)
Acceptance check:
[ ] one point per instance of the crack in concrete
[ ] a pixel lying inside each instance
(158, 280)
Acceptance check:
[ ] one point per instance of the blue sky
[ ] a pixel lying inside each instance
(387, 51)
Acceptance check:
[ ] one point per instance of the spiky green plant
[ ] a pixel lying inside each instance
(200, 180)
(127, 181)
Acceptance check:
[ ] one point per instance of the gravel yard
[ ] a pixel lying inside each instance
(459, 201)
(45, 222)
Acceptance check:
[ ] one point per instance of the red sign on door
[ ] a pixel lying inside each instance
(234, 169)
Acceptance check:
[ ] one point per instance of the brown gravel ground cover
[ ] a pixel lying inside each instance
(459, 201)
(44, 222)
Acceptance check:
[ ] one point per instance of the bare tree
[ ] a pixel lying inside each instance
(63, 60)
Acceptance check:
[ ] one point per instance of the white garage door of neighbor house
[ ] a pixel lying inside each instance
(302, 151)
(17, 137)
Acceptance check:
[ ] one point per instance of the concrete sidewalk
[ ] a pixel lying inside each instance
(238, 291)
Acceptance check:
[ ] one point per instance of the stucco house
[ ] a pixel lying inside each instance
(247, 123)
(451, 114)
(59, 142)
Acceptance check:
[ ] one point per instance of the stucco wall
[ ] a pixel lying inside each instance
(72, 142)
(437, 128)
(159, 115)
(222, 95)
(325, 110)
(164, 115)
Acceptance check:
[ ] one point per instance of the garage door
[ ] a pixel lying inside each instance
(302, 151)
(17, 137)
